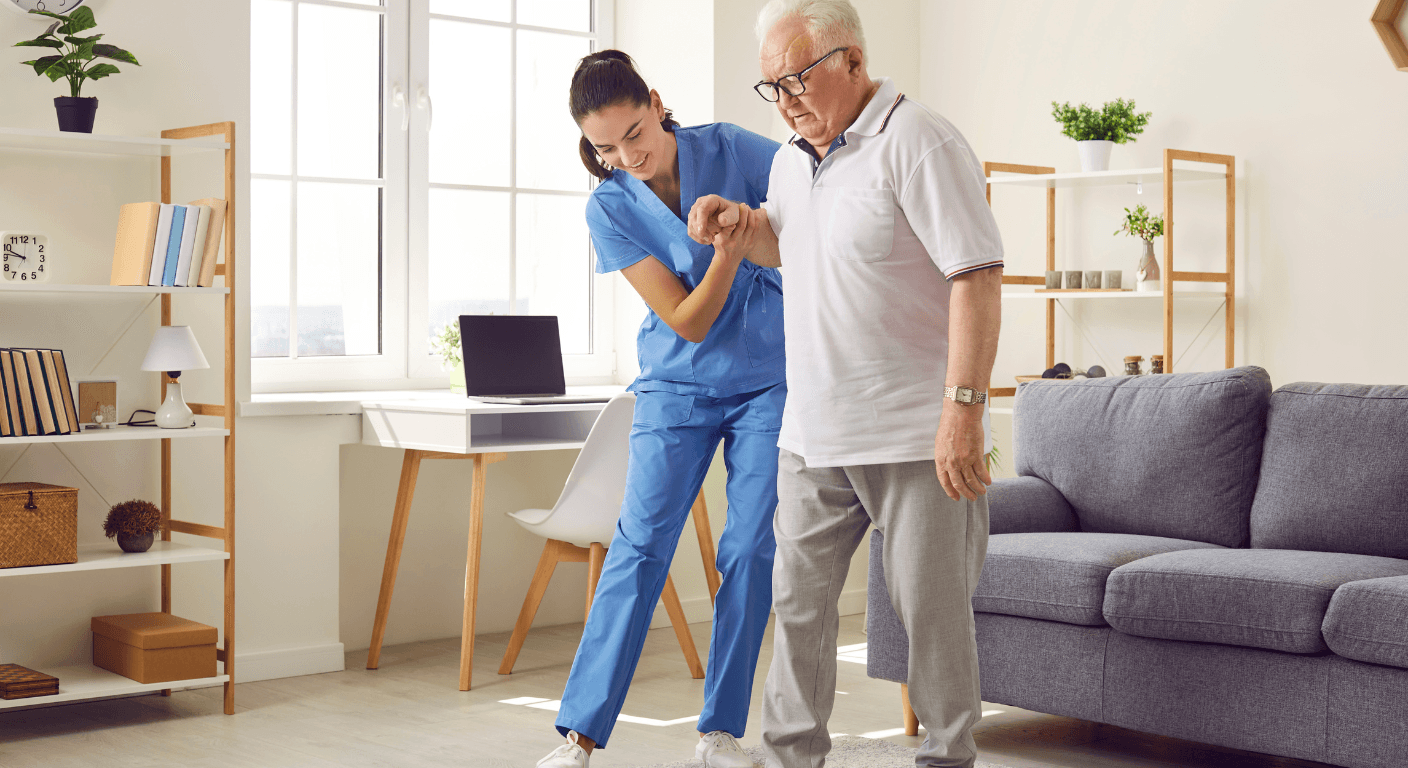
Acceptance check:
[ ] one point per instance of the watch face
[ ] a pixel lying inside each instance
(53, 6)
(24, 257)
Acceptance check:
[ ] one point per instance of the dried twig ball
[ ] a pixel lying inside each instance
(132, 518)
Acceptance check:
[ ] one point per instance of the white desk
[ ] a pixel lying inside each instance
(455, 427)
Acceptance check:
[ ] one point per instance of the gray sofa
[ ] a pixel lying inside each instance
(1195, 556)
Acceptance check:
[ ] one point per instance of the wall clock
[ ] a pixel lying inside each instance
(1390, 22)
(25, 256)
(53, 6)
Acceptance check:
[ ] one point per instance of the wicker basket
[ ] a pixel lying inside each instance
(38, 524)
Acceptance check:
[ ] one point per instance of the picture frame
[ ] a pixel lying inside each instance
(97, 401)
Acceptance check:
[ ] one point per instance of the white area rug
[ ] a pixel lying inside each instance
(846, 752)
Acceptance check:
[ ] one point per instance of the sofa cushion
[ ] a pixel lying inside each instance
(1368, 621)
(1334, 473)
(1258, 598)
(1060, 576)
(1175, 456)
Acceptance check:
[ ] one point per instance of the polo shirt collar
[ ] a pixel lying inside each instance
(871, 121)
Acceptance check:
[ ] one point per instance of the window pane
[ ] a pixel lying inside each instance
(492, 10)
(339, 92)
(339, 269)
(269, 206)
(554, 265)
(271, 88)
(469, 135)
(547, 137)
(575, 15)
(468, 255)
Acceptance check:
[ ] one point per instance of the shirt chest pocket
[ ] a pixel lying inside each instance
(861, 224)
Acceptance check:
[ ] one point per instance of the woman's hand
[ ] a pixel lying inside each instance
(709, 216)
(734, 242)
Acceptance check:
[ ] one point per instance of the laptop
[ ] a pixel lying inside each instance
(515, 359)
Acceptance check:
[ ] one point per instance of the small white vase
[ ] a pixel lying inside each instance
(1148, 276)
(1094, 155)
(174, 413)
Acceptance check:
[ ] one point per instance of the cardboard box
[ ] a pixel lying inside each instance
(154, 647)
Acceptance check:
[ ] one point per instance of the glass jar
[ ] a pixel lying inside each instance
(1156, 363)
(1131, 365)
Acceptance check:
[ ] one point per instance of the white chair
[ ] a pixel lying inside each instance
(583, 522)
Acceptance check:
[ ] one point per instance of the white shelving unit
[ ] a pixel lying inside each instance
(1009, 293)
(1105, 178)
(84, 681)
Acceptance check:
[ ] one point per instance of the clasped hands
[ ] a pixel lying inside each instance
(732, 228)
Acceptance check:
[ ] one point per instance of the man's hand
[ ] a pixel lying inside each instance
(735, 242)
(958, 452)
(711, 215)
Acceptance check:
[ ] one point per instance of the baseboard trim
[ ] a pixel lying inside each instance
(701, 609)
(289, 662)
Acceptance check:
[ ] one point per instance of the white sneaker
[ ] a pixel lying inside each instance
(718, 749)
(569, 755)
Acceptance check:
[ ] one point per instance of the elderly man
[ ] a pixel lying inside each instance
(893, 271)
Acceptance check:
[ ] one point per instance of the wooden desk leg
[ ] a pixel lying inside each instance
(410, 469)
(471, 566)
(700, 512)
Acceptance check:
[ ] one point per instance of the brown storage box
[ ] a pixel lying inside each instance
(154, 647)
(38, 524)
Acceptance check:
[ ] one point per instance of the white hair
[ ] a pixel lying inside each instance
(830, 23)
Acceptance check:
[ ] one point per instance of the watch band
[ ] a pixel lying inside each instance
(965, 395)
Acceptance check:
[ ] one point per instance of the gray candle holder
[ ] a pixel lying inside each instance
(1092, 280)
(1053, 279)
(1073, 279)
(1112, 278)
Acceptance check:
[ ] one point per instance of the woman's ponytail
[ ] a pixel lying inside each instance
(602, 79)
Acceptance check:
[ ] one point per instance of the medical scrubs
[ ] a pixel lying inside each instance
(689, 396)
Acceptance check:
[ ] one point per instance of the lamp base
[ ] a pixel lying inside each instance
(174, 413)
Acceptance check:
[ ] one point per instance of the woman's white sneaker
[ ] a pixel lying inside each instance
(718, 749)
(569, 755)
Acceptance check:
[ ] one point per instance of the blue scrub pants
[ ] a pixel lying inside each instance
(673, 439)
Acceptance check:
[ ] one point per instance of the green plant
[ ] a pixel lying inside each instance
(1116, 121)
(132, 518)
(993, 459)
(446, 345)
(1140, 224)
(75, 60)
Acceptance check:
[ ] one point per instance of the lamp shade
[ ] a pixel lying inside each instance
(174, 348)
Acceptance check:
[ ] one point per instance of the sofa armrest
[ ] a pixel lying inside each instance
(1028, 505)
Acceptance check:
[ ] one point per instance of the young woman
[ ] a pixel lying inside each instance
(711, 369)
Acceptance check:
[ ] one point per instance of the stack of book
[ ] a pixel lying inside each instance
(166, 244)
(37, 397)
(18, 682)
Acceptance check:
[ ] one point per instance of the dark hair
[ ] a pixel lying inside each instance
(602, 79)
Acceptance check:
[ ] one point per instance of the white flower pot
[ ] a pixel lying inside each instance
(1094, 155)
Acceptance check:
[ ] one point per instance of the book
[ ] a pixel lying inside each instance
(191, 275)
(136, 240)
(160, 242)
(39, 389)
(18, 682)
(214, 232)
(56, 393)
(6, 373)
(188, 242)
(70, 408)
(173, 246)
(24, 391)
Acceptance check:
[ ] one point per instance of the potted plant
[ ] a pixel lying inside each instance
(446, 346)
(1145, 227)
(74, 62)
(134, 524)
(1096, 133)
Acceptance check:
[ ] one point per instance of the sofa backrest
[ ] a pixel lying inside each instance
(1174, 455)
(1334, 472)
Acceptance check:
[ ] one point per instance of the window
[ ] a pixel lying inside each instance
(414, 161)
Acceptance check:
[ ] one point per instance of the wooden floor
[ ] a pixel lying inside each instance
(409, 713)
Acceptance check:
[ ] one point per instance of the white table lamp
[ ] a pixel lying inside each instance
(174, 349)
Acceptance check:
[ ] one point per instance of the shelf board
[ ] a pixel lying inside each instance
(142, 290)
(98, 557)
(1113, 295)
(88, 143)
(1153, 177)
(85, 681)
(119, 433)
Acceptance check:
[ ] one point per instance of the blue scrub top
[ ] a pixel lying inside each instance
(743, 350)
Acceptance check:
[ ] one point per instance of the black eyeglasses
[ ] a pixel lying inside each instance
(792, 85)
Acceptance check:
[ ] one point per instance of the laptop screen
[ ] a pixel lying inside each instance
(511, 355)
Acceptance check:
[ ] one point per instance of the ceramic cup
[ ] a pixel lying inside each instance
(1112, 278)
(1053, 279)
(1073, 279)
(1092, 280)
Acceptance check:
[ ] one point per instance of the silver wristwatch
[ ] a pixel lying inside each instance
(965, 395)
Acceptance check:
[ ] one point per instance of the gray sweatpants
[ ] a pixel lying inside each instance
(934, 550)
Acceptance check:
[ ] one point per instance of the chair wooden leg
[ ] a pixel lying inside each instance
(911, 720)
(595, 558)
(676, 611)
(702, 529)
(547, 563)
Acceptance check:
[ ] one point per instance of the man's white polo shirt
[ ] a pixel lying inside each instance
(870, 238)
